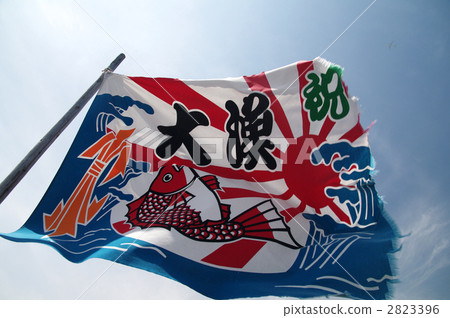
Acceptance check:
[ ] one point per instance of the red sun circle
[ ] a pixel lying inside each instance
(306, 180)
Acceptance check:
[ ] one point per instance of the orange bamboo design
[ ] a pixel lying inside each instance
(81, 207)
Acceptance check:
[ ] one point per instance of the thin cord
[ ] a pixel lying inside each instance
(347, 28)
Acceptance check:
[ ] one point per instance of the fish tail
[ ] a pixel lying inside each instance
(263, 221)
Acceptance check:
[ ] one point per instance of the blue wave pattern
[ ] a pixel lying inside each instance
(114, 106)
(354, 164)
(98, 234)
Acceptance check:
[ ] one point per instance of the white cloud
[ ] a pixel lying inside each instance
(425, 251)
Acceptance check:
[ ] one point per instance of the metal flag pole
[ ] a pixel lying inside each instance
(30, 159)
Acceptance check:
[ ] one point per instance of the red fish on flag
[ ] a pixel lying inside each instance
(176, 198)
(239, 187)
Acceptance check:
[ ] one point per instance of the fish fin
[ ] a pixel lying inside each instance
(135, 205)
(211, 182)
(264, 222)
(225, 211)
(132, 214)
(133, 210)
(122, 227)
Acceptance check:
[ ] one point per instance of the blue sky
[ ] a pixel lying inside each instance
(394, 58)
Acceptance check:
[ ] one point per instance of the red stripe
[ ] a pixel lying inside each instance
(328, 124)
(143, 154)
(134, 152)
(151, 85)
(291, 213)
(339, 213)
(303, 68)
(278, 153)
(261, 84)
(354, 133)
(170, 90)
(235, 254)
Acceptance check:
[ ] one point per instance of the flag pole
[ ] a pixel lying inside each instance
(30, 159)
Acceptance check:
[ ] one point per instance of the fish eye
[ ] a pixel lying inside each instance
(167, 177)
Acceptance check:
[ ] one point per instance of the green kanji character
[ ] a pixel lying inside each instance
(319, 100)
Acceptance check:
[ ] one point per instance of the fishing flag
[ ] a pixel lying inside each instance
(238, 187)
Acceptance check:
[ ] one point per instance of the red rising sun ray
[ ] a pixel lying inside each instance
(339, 213)
(278, 153)
(303, 68)
(326, 128)
(291, 213)
(354, 133)
(261, 84)
(170, 90)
